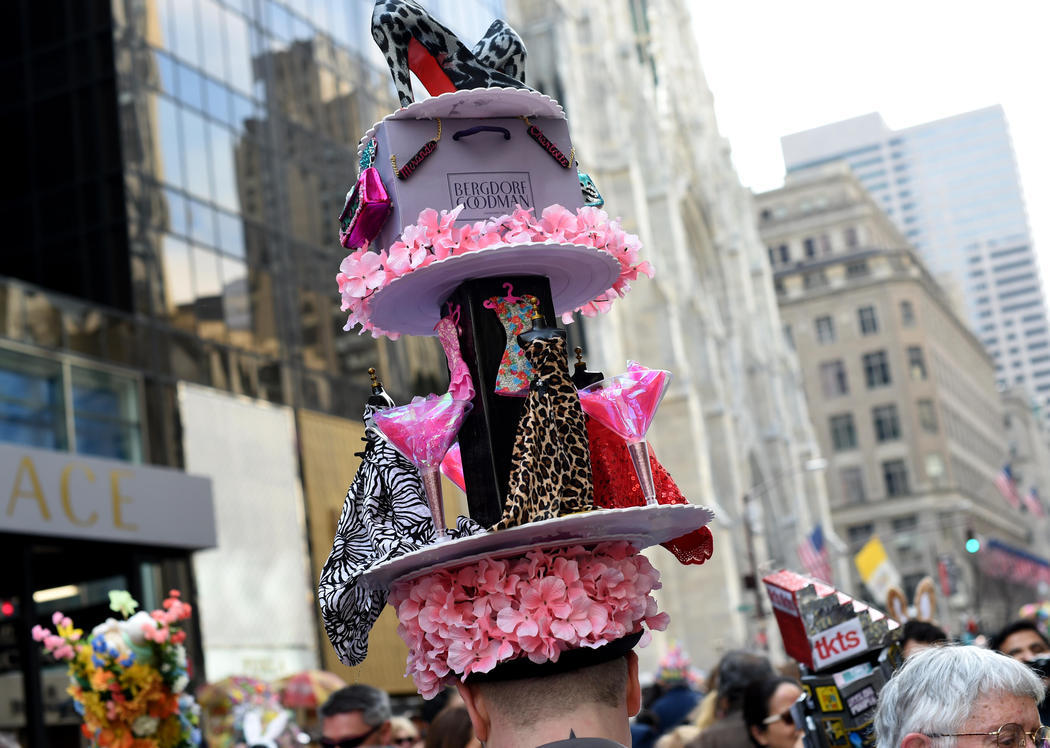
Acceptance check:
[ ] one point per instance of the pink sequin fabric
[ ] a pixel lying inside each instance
(459, 382)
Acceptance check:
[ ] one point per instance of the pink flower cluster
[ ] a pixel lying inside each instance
(58, 646)
(469, 618)
(435, 237)
(175, 610)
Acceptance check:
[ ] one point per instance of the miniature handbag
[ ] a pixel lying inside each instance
(367, 206)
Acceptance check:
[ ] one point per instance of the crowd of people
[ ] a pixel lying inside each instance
(942, 690)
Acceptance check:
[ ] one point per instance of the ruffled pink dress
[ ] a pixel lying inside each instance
(460, 384)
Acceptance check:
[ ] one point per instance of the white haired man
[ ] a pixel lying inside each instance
(977, 697)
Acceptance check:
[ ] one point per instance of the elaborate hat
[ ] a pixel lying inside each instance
(462, 228)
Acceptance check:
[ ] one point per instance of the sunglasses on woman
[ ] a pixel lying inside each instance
(406, 740)
(793, 715)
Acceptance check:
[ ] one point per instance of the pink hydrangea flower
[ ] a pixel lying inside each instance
(470, 618)
(435, 237)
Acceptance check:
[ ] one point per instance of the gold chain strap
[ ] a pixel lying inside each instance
(572, 151)
(435, 139)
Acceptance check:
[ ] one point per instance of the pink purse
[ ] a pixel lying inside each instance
(367, 207)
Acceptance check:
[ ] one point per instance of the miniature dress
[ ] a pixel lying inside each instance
(515, 371)
(551, 465)
(459, 382)
(616, 486)
(385, 515)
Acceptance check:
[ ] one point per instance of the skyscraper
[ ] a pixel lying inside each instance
(168, 310)
(952, 188)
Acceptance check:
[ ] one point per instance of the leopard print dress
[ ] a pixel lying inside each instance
(551, 473)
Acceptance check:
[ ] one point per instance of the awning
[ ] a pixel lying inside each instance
(1001, 561)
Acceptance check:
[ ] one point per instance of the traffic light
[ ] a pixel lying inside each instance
(7, 609)
(973, 543)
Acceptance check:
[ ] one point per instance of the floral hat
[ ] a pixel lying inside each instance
(543, 611)
(675, 666)
(128, 677)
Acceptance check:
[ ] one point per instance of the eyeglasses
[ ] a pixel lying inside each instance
(791, 716)
(406, 740)
(349, 742)
(1010, 735)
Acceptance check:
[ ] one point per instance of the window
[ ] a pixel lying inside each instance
(825, 329)
(825, 244)
(887, 424)
(104, 408)
(105, 414)
(833, 379)
(816, 279)
(857, 269)
(876, 369)
(869, 323)
(809, 246)
(905, 523)
(843, 434)
(772, 256)
(784, 256)
(851, 237)
(895, 477)
(789, 337)
(927, 416)
(32, 410)
(852, 485)
(916, 363)
(907, 314)
(858, 534)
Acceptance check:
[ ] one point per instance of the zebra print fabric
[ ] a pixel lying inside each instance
(384, 516)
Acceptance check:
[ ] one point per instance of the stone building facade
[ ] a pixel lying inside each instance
(734, 421)
(902, 395)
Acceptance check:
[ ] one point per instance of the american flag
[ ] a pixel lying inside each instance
(813, 553)
(1035, 506)
(1008, 486)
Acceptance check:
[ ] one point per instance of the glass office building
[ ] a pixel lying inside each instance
(170, 204)
(952, 188)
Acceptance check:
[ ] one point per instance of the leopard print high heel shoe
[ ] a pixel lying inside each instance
(502, 50)
(413, 41)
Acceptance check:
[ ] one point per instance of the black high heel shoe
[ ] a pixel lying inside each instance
(411, 40)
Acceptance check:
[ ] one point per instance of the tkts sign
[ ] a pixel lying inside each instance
(838, 643)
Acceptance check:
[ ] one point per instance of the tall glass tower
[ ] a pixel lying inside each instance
(952, 188)
(171, 190)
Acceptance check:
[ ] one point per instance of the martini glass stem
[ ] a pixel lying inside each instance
(639, 452)
(432, 486)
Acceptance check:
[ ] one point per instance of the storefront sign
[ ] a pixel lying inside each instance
(70, 495)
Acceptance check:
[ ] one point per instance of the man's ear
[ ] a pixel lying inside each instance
(476, 708)
(634, 687)
(915, 740)
(385, 732)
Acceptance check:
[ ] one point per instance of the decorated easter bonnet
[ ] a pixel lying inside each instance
(470, 221)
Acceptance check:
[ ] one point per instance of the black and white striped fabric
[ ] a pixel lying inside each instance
(385, 515)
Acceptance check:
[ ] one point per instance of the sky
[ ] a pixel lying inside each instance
(776, 68)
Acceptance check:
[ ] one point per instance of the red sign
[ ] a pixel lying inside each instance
(838, 643)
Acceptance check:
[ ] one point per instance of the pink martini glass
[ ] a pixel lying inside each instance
(422, 431)
(626, 404)
(452, 466)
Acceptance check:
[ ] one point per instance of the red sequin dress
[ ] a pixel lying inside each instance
(616, 486)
